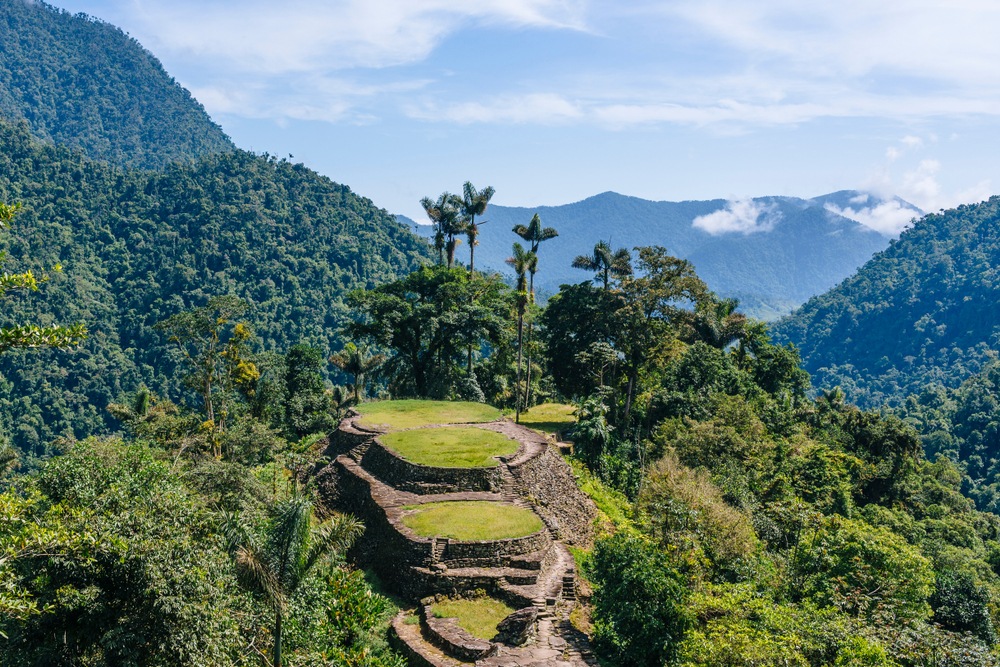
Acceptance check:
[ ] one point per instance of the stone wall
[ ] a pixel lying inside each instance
(404, 475)
(547, 482)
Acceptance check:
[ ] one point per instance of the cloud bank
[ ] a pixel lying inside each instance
(744, 216)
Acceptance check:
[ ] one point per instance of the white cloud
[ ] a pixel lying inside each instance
(270, 37)
(889, 218)
(743, 216)
(539, 108)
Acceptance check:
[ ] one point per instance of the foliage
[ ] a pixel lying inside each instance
(921, 313)
(84, 83)
(427, 319)
(141, 247)
(639, 614)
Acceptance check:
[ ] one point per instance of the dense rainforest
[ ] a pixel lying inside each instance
(138, 247)
(923, 312)
(84, 83)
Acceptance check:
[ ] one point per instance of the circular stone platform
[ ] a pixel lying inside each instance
(394, 415)
(471, 520)
(451, 446)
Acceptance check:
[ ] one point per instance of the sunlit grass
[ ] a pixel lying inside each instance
(414, 413)
(549, 417)
(452, 447)
(479, 617)
(469, 520)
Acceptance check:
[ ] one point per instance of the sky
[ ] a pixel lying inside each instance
(553, 101)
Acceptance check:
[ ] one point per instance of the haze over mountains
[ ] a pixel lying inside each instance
(925, 311)
(772, 253)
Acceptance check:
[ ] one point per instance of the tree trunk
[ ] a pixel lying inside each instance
(527, 387)
(277, 639)
(517, 388)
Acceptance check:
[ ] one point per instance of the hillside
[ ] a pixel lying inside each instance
(85, 83)
(797, 247)
(925, 311)
(138, 246)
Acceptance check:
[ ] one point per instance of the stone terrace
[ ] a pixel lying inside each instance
(534, 573)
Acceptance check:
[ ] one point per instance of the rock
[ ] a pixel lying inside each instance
(518, 628)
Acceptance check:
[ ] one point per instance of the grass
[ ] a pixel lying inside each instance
(414, 413)
(549, 417)
(478, 617)
(470, 520)
(614, 511)
(451, 447)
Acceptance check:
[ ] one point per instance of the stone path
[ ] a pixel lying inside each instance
(544, 579)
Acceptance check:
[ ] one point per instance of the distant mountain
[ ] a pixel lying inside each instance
(85, 83)
(772, 253)
(925, 311)
(139, 246)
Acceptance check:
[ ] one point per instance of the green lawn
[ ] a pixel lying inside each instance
(469, 520)
(451, 447)
(479, 617)
(413, 413)
(549, 417)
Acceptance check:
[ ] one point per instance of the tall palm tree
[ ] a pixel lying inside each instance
(356, 362)
(434, 212)
(474, 202)
(606, 263)
(294, 543)
(534, 234)
(521, 261)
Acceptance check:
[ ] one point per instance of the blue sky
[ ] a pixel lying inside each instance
(551, 101)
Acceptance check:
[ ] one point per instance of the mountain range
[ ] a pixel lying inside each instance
(772, 253)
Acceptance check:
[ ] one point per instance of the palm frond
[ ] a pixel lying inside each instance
(335, 535)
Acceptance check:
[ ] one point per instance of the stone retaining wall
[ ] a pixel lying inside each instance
(394, 470)
(547, 481)
(453, 639)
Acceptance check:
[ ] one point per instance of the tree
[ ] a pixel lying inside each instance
(446, 214)
(358, 363)
(521, 261)
(474, 202)
(639, 597)
(427, 320)
(717, 323)
(606, 263)
(534, 234)
(31, 335)
(293, 544)
(307, 405)
(215, 351)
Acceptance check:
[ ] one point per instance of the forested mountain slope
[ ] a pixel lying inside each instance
(137, 247)
(85, 83)
(789, 250)
(925, 311)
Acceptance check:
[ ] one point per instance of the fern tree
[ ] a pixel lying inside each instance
(293, 544)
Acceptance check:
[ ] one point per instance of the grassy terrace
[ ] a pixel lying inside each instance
(451, 447)
(549, 417)
(478, 617)
(415, 413)
(470, 520)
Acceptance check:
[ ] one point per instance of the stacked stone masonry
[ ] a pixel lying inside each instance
(368, 479)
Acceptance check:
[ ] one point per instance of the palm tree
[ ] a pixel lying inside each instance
(521, 260)
(445, 213)
(356, 362)
(718, 324)
(294, 543)
(474, 202)
(534, 234)
(606, 263)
